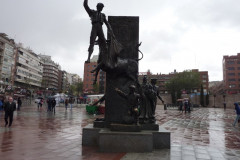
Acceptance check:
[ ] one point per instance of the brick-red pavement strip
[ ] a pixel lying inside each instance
(41, 135)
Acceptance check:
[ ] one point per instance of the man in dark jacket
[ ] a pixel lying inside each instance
(9, 108)
(53, 104)
(237, 112)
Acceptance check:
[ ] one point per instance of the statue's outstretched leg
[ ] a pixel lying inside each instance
(92, 42)
(97, 69)
(90, 51)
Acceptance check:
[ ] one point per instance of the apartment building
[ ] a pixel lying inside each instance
(7, 60)
(231, 73)
(89, 77)
(28, 70)
(50, 73)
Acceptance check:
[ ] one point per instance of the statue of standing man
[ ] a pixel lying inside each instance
(97, 19)
(154, 95)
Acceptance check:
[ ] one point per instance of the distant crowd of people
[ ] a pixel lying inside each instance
(184, 105)
(9, 105)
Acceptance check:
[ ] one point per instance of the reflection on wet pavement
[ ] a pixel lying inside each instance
(205, 133)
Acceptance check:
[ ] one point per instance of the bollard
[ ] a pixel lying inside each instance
(165, 107)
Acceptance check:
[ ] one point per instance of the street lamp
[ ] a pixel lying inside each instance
(224, 96)
(214, 96)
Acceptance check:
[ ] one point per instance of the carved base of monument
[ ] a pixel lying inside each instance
(125, 128)
(125, 141)
(99, 124)
(115, 141)
(151, 126)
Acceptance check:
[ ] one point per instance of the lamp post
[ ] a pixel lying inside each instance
(214, 96)
(224, 96)
(224, 103)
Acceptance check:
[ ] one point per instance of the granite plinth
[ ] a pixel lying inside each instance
(161, 139)
(99, 124)
(90, 135)
(125, 128)
(149, 126)
(112, 141)
(125, 141)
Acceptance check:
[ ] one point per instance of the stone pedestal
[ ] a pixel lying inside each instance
(125, 128)
(90, 136)
(125, 141)
(114, 141)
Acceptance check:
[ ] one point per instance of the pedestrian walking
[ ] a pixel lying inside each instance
(1, 104)
(186, 106)
(224, 105)
(40, 103)
(9, 108)
(71, 101)
(66, 103)
(49, 104)
(53, 104)
(237, 112)
(19, 102)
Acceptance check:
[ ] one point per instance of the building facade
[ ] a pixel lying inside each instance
(28, 70)
(162, 79)
(7, 60)
(88, 77)
(50, 73)
(73, 78)
(204, 79)
(231, 73)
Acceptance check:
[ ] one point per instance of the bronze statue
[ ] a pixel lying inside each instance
(97, 19)
(133, 100)
(145, 107)
(154, 95)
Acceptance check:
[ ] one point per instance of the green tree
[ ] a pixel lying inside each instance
(201, 96)
(96, 88)
(72, 89)
(186, 80)
(79, 88)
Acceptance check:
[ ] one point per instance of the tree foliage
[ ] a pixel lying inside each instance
(76, 89)
(96, 88)
(186, 80)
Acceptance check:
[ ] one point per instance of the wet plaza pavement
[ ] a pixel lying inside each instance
(205, 133)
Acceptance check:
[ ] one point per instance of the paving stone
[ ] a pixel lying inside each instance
(204, 133)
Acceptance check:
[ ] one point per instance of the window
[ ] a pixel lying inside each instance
(231, 80)
(204, 80)
(231, 74)
(204, 76)
(230, 62)
(231, 68)
(232, 85)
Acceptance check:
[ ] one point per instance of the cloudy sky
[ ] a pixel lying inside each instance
(176, 34)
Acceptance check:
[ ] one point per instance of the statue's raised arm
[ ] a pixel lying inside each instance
(85, 4)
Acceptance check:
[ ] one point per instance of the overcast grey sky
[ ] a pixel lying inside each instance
(176, 34)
